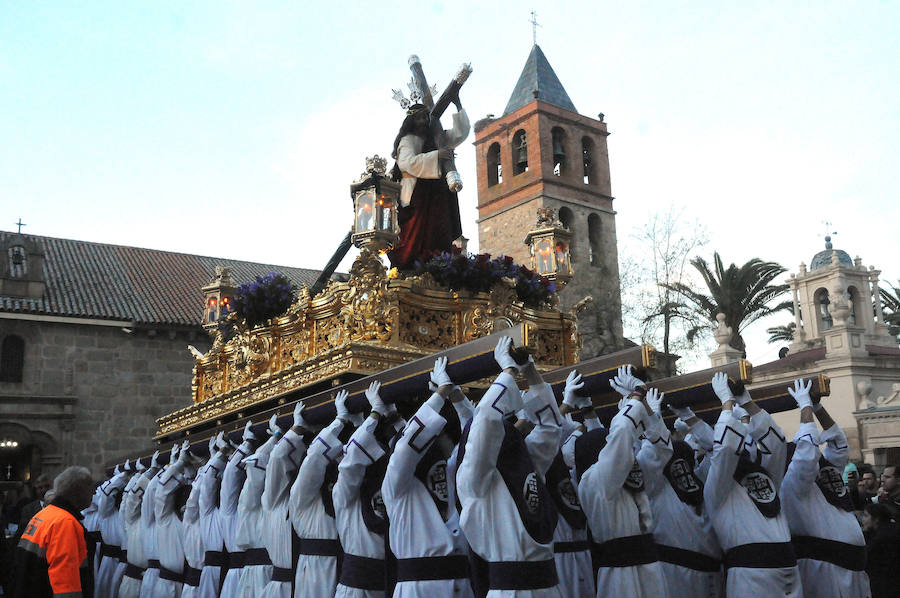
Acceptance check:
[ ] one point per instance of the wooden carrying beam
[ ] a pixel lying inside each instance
(597, 372)
(774, 398)
(466, 363)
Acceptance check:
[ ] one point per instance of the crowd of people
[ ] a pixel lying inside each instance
(523, 495)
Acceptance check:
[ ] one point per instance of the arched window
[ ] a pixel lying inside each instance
(594, 239)
(18, 261)
(494, 169)
(559, 150)
(520, 152)
(823, 317)
(856, 308)
(587, 158)
(12, 358)
(566, 217)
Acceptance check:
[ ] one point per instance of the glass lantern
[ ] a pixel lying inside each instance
(375, 200)
(218, 294)
(549, 245)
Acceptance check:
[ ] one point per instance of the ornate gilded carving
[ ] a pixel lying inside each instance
(369, 306)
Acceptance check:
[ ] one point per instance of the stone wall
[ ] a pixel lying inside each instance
(96, 390)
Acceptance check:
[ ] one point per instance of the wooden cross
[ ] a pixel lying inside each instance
(20, 224)
(534, 26)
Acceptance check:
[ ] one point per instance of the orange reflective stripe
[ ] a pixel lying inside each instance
(26, 544)
(58, 538)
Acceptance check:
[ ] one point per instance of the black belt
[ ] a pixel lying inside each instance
(191, 576)
(282, 574)
(846, 556)
(153, 564)
(522, 575)
(429, 568)
(215, 558)
(627, 551)
(93, 537)
(688, 559)
(170, 575)
(256, 556)
(134, 572)
(235, 560)
(761, 555)
(317, 547)
(574, 546)
(362, 572)
(111, 551)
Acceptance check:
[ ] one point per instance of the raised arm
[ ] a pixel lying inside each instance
(284, 461)
(361, 451)
(210, 476)
(656, 448)
(728, 442)
(324, 449)
(423, 165)
(544, 440)
(234, 475)
(460, 130)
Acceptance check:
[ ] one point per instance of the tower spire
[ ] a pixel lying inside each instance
(534, 26)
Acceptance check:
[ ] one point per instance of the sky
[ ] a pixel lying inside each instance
(235, 129)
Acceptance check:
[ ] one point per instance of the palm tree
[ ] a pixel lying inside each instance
(780, 334)
(890, 302)
(743, 293)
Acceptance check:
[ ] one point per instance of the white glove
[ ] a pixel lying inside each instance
(502, 356)
(524, 415)
(154, 460)
(220, 444)
(739, 412)
(683, 413)
(570, 397)
(299, 422)
(654, 399)
(800, 392)
(248, 433)
(212, 445)
(439, 375)
(374, 398)
(682, 428)
(173, 454)
(624, 383)
(139, 467)
(184, 453)
(340, 406)
(128, 468)
(720, 387)
(116, 471)
(274, 430)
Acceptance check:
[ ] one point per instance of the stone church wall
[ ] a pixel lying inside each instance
(93, 392)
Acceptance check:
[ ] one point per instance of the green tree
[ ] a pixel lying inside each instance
(743, 293)
(780, 334)
(890, 302)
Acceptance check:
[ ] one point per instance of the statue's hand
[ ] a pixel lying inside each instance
(445, 154)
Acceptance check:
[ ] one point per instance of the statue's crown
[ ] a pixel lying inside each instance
(416, 96)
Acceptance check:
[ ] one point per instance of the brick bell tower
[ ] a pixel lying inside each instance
(542, 153)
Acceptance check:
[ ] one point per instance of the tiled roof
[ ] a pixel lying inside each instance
(144, 286)
(538, 76)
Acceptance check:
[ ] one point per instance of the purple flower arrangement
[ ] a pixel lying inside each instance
(478, 273)
(265, 298)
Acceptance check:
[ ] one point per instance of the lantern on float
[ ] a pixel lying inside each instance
(549, 244)
(375, 201)
(219, 297)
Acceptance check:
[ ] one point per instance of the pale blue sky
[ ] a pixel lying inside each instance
(234, 129)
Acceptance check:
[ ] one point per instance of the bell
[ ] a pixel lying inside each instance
(522, 155)
(559, 153)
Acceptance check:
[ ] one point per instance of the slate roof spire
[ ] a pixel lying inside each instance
(538, 76)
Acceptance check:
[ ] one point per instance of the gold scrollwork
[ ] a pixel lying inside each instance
(369, 306)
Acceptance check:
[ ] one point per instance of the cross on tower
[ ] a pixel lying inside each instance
(20, 224)
(534, 26)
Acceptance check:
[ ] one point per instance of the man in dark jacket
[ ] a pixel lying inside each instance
(51, 557)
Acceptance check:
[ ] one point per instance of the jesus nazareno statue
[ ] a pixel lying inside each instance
(429, 209)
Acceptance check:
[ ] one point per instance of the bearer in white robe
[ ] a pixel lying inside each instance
(363, 569)
(610, 487)
(233, 479)
(511, 530)
(149, 529)
(312, 509)
(571, 548)
(124, 523)
(130, 587)
(742, 499)
(215, 562)
(169, 529)
(111, 533)
(281, 470)
(429, 564)
(257, 563)
(191, 540)
(689, 552)
(831, 549)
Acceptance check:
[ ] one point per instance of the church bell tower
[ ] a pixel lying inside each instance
(541, 153)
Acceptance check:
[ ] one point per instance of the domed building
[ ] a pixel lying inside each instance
(841, 332)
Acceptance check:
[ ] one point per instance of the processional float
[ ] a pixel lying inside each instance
(341, 335)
